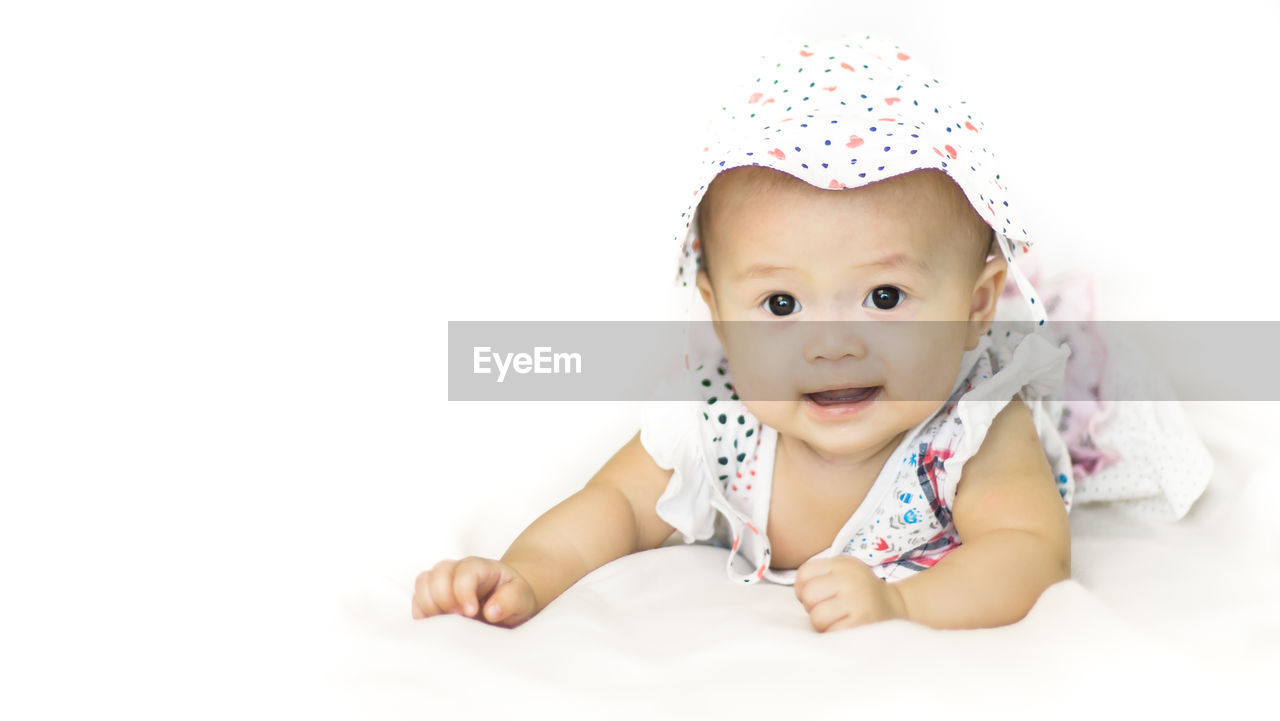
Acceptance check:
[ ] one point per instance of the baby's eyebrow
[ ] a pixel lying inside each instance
(759, 270)
(900, 261)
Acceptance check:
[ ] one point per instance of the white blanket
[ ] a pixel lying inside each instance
(1157, 618)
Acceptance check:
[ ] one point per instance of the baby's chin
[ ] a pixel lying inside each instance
(845, 428)
(858, 445)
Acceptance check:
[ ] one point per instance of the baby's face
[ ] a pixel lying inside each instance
(909, 248)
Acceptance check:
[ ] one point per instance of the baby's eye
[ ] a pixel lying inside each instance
(781, 304)
(885, 297)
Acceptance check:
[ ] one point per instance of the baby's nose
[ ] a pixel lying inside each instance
(834, 339)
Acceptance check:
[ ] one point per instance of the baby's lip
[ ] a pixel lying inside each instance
(844, 396)
(840, 387)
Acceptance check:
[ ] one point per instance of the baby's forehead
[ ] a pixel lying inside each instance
(927, 221)
(930, 183)
(911, 197)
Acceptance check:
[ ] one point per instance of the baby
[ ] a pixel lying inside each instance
(846, 430)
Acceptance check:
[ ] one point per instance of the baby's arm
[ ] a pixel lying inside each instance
(1015, 543)
(1014, 532)
(613, 515)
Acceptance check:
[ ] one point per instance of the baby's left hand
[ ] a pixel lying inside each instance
(842, 592)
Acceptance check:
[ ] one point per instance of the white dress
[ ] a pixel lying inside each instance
(720, 494)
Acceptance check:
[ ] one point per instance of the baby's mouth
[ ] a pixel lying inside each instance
(842, 395)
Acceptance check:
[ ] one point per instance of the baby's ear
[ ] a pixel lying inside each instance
(986, 292)
(708, 293)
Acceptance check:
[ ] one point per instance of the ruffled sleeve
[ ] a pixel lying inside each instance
(670, 434)
(1034, 370)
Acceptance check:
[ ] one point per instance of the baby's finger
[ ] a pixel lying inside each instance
(825, 615)
(816, 591)
(853, 567)
(847, 622)
(440, 586)
(812, 569)
(509, 605)
(472, 579)
(422, 604)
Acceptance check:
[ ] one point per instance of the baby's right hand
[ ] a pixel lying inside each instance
(462, 586)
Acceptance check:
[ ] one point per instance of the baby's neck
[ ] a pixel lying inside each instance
(823, 470)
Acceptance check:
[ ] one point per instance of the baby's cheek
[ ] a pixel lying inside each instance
(764, 368)
(770, 413)
(925, 376)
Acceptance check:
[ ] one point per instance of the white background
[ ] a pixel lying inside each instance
(233, 234)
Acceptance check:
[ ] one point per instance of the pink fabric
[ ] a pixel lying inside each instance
(1070, 304)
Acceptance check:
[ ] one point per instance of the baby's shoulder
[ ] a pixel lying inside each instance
(1012, 431)
(1011, 447)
